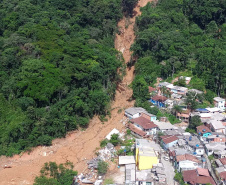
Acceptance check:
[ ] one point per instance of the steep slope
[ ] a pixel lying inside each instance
(78, 146)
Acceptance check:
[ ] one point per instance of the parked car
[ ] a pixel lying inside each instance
(166, 158)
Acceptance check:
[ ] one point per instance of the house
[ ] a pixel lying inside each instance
(144, 177)
(197, 176)
(179, 90)
(187, 162)
(150, 117)
(145, 125)
(158, 100)
(213, 110)
(152, 90)
(184, 116)
(217, 126)
(203, 131)
(134, 112)
(168, 141)
(136, 131)
(217, 149)
(164, 84)
(216, 138)
(219, 103)
(195, 91)
(194, 143)
(130, 174)
(203, 116)
(146, 155)
(163, 126)
(169, 103)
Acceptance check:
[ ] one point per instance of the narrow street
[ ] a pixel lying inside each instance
(169, 170)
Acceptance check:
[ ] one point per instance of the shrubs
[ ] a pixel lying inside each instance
(102, 167)
(115, 139)
(103, 143)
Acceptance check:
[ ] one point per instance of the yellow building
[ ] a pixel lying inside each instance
(146, 156)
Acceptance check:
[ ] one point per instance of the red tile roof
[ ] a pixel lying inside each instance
(151, 89)
(223, 175)
(187, 157)
(144, 122)
(192, 177)
(203, 172)
(205, 180)
(201, 129)
(159, 98)
(168, 139)
(223, 161)
(136, 130)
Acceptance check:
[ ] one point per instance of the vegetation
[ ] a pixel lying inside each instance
(108, 181)
(102, 167)
(181, 36)
(53, 174)
(115, 140)
(179, 178)
(194, 122)
(58, 68)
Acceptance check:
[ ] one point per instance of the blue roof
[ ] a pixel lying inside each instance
(202, 110)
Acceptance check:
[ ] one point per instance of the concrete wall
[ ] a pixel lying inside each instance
(183, 165)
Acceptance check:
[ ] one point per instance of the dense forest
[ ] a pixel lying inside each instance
(181, 37)
(58, 67)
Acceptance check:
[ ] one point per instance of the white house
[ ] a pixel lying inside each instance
(187, 162)
(219, 103)
(134, 112)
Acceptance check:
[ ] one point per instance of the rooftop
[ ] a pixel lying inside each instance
(196, 91)
(219, 99)
(151, 89)
(134, 110)
(137, 130)
(223, 175)
(223, 161)
(203, 172)
(164, 84)
(159, 98)
(168, 139)
(126, 160)
(187, 157)
(144, 122)
(164, 125)
(216, 124)
(202, 129)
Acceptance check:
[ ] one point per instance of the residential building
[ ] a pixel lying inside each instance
(179, 90)
(136, 131)
(134, 112)
(219, 103)
(150, 117)
(146, 155)
(217, 149)
(152, 90)
(164, 126)
(197, 177)
(203, 131)
(158, 100)
(195, 91)
(144, 177)
(168, 141)
(194, 143)
(216, 138)
(130, 174)
(145, 125)
(217, 126)
(187, 162)
(164, 84)
(184, 116)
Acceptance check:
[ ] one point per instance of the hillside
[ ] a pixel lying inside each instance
(177, 38)
(58, 68)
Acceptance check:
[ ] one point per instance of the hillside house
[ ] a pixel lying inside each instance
(134, 112)
(158, 100)
(152, 90)
(137, 132)
(150, 117)
(145, 125)
(216, 149)
(168, 141)
(146, 156)
(195, 91)
(216, 138)
(184, 116)
(187, 162)
(197, 177)
(179, 90)
(219, 103)
(217, 126)
(203, 131)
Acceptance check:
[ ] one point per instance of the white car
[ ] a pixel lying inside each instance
(166, 158)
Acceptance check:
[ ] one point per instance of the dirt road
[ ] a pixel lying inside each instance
(78, 146)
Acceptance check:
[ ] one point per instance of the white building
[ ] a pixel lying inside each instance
(219, 103)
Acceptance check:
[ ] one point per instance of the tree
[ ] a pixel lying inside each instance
(193, 99)
(194, 122)
(102, 167)
(53, 174)
(115, 139)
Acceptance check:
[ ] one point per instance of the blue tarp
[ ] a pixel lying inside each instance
(202, 110)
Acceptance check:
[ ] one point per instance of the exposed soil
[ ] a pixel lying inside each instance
(78, 146)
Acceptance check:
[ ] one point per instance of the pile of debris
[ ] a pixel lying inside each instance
(107, 153)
